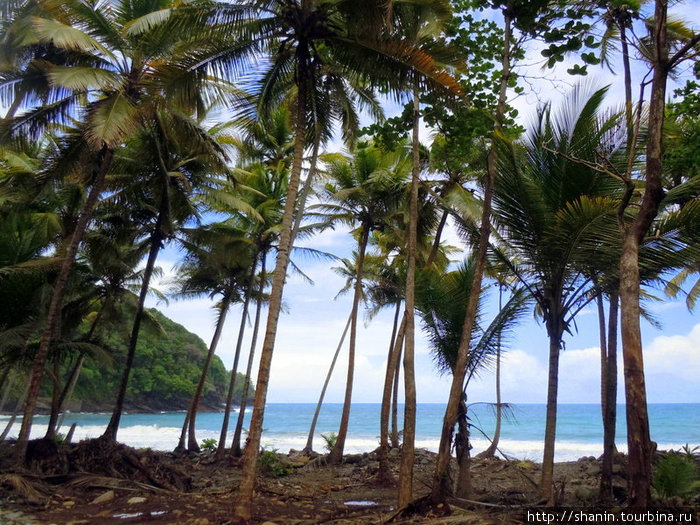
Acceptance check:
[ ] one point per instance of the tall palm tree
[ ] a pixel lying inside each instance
(217, 264)
(553, 211)
(172, 156)
(363, 192)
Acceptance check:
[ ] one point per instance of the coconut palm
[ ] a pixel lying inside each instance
(363, 192)
(217, 264)
(442, 301)
(553, 212)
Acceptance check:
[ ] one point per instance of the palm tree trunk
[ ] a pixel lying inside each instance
(336, 455)
(54, 313)
(67, 393)
(110, 433)
(7, 381)
(610, 412)
(405, 493)
(438, 235)
(234, 369)
(639, 444)
(310, 439)
(493, 447)
(55, 396)
(394, 438)
(18, 406)
(236, 445)
(464, 478)
(384, 474)
(192, 445)
(244, 505)
(306, 188)
(550, 428)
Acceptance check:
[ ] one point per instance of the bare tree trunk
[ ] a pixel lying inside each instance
(110, 433)
(602, 330)
(236, 445)
(54, 313)
(8, 380)
(67, 393)
(610, 413)
(395, 399)
(639, 444)
(405, 492)
(191, 418)
(18, 406)
(336, 455)
(55, 399)
(310, 439)
(462, 446)
(550, 428)
(221, 449)
(493, 447)
(384, 473)
(244, 504)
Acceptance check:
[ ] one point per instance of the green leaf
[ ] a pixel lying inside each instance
(67, 37)
(110, 120)
(147, 22)
(83, 78)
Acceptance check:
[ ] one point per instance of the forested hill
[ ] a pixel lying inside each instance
(167, 367)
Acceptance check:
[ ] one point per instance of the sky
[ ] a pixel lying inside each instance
(313, 321)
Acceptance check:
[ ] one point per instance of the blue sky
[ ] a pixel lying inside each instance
(308, 333)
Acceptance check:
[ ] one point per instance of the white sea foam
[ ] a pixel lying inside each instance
(165, 438)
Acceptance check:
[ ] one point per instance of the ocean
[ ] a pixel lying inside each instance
(579, 427)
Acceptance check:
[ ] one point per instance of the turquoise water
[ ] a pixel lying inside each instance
(579, 427)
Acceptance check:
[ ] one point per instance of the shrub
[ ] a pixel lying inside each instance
(270, 464)
(209, 445)
(676, 475)
(330, 440)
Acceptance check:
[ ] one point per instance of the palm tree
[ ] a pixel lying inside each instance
(217, 264)
(364, 192)
(171, 157)
(442, 301)
(554, 209)
(112, 67)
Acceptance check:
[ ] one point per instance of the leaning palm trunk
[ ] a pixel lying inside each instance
(194, 405)
(54, 312)
(310, 439)
(67, 393)
(234, 369)
(243, 508)
(336, 454)
(441, 481)
(13, 417)
(405, 493)
(110, 433)
(236, 445)
(7, 381)
(384, 474)
(610, 404)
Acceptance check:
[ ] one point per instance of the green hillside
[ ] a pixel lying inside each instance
(166, 370)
